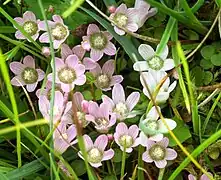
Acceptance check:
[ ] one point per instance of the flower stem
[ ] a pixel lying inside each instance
(140, 163)
(123, 164)
(161, 174)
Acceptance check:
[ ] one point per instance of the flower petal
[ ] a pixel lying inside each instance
(146, 157)
(93, 109)
(44, 38)
(132, 100)
(164, 142)
(119, 31)
(170, 154)
(96, 54)
(191, 177)
(117, 79)
(19, 35)
(29, 61)
(162, 128)
(72, 61)
(152, 114)
(88, 142)
(133, 27)
(156, 137)
(80, 80)
(161, 164)
(16, 67)
(31, 87)
(29, 16)
(168, 64)
(143, 139)
(118, 94)
(121, 129)
(79, 51)
(59, 64)
(108, 101)
(108, 68)
(17, 81)
(104, 111)
(19, 20)
(164, 53)
(133, 131)
(172, 86)
(146, 51)
(92, 28)
(121, 9)
(96, 71)
(57, 18)
(41, 74)
(89, 63)
(78, 98)
(108, 35)
(141, 66)
(101, 142)
(65, 51)
(110, 49)
(109, 154)
(162, 97)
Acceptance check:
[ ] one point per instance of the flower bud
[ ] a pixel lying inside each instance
(110, 137)
(111, 9)
(46, 51)
(51, 9)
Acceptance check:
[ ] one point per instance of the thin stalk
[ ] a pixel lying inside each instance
(186, 21)
(20, 28)
(53, 80)
(140, 163)
(54, 167)
(161, 174)
(209, 98)
(195, 117)
(123, 162)
(210, 113)
(197, 6)
(72, 8)
(6, 78)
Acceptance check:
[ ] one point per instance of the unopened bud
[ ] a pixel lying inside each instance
(175, 74)
(111, 9)
(110, 137)
(51, 9)
(46, 51)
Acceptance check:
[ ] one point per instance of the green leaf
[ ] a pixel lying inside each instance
(213, 153)
(207, 51)
(26, 170)
(79, 167)
(98, 94)
(7, 29)
(216, 59)
(111, 177)
(206, 64)
(181, 131)
(192, 35)
(126, 43)
(208, 77)
(90, 77)
(87, 95)
(118, 155)
(3, 176)
(218, 2)
(197, 72)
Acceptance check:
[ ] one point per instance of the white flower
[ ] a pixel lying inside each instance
(151, 126)
(152, 79)
(153, 61)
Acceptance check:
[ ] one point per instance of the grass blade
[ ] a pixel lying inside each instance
(6, 78)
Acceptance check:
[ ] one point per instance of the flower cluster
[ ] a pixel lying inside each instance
(108, 117)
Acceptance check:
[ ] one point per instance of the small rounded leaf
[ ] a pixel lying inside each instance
(206, 64)
(208, 77)
(216, 59)
(208, 51)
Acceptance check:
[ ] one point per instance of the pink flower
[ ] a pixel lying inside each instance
(69, 73)
(96, 151)
(46, 51)
(60, 109)
(143, 12)
(124, 17)
(126, 138)
(64, 137)
(79, 51)
(100, 117)
(203, 177)
(158, 153)
(59, 31)
(99, 42)
(104, 77)
(29, 24)
(82, 109)
(26, 73)
(119, 105)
